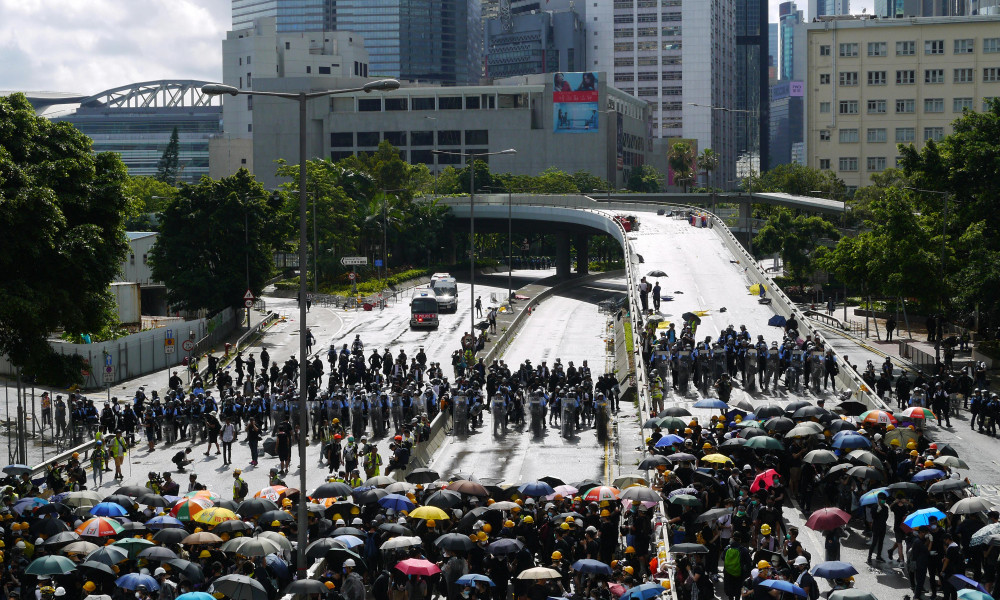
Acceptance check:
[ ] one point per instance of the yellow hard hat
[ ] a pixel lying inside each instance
(557, 555)
(719, 425)
(763, 565)
(688, 430)
(473, 537)
(481, 536)
(928, 463)
(76, 456)
(738, 418)
(614, 564)
(89, 586)
(629, 570)
(205, 554)
(336, 421)
(528, 520)
(275, 524)
(237, 472)
(508, 523)
(890, 427)
(286, 502)
(894, 442)
(706, 446)
(570, 519)
(605, 513)
(515, 509)
(198, 530)
(630, 550)
(564, 526)
(576, 499)
(329, 585)
(487, 528)
(649, 439)
(430, 523)
(519, 502)
(224, 537)
(491, 502)
(914, 453)
(911, 445)
(693, 423)
(765, 529)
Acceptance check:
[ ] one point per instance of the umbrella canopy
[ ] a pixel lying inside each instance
(826, 519)
(625, 481)
(716, 458)
(852, 594)
(83, 499)
(536, 489)
(820, 457)
(863, 472)
(851, 441)
(59, 539)
(153, 500)
(960, 582)
(164, 522)
(108, 509)
(304, 587)
(851, 408)
(279, 540)
(187, 568)
(765, 480)
(644, 591)
(96, 566)
(713, 514)
(968, 506)
(214, 516)
(171, 535)
(350, 541)
(834, 569)
(778, 424)
(454, 542)
(685, 500)
(671, 439)
(407, 541)
(674, 411)
(923, 517)
(417, 566)
(133, 545)
(158, 553)
(672, 423)
(201, 538)
(947, 485)
(929, 475)
(108, 555)
(47, 566)
(917, 413)
(763, 442)
(589, 565)
(247, 546)
(982, 535)
(656, 273)
(80, 547)
(538, 573)
(952, 462)
(783, 586)
(470, 488)
(429, 512)
(239, 587)
(99, 527)
(422, 476)
(865, 457)
(601, 493)
(132, 581)
(651, 462)
(207, 596)
(505, 546)
(251, 507)
(678, 457)
(641, 494)
(968, 594)
(802, 431)
(444, 499)
(333, 489)
(396, 502)
(188, 508)
(711, 403)
(473, 579)
(688, 549)
(877, 417)
(872, 496)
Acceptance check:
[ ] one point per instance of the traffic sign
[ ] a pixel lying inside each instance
(248, 295)
(187, 345)
(107, 360)
(378, 262)
(168, 345)
(248, 303)
(351, 276)
(109, 374)
(354, 260)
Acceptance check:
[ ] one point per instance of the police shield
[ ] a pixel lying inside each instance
(662, 358)
(751, 368)
(568, 408)
(460, 414)
(683, 369)
(601, 417)
(499, 413)
(816, 369)
(357, 417)
(535, 410)
(719, 354)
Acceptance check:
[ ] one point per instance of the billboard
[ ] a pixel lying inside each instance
(575, 106)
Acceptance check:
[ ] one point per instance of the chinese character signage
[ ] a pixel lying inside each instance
(575, 106)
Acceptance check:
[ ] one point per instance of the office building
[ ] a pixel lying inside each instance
(828, 8)
(248, 55)
(137, 120)
(788, 17)
(935, 8)
(875, 83)
(772, 53)
(535, 41)
(434, 41)
(751, 98)
(289, 15)
(607, 135)
(786, 123)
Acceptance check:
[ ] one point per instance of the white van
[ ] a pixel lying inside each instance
(446, 290)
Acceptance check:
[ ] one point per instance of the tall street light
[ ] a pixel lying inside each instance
(471, 161)
(303, 98)
(944, 233)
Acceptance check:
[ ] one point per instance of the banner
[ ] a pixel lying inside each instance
(575, 106)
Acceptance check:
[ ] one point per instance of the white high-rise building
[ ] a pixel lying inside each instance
(672, 53)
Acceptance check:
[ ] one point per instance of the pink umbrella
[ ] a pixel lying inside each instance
(616, 589)
(564, 491)
(417, 566)
(765, 479)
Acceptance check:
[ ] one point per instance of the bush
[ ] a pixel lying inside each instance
(602, 266)
(990, 348)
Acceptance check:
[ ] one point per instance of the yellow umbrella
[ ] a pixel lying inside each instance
(755, 289)
(429, 512)
(714, 458)
(214, 516)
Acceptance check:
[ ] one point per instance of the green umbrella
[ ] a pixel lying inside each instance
(670, 423)
(108, 555)
(133, 545)
(47, 566)
(685, 500)
(763, 442)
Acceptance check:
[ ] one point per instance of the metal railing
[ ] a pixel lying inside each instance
(38, 472)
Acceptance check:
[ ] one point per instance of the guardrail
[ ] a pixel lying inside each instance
(825, 318)
(38, 472)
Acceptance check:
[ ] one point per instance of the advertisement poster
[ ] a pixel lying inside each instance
(575, 105)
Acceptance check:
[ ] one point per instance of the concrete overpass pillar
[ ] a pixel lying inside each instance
(562, 254)
(582, 242)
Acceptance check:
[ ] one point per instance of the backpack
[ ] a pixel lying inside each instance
(244, 489)
(734, 562)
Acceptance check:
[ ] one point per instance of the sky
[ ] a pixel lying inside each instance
(87, 46)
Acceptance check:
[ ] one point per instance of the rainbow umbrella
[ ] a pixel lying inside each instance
(918, 412)
(99, 527)
(215, 515)
(185, 510)
(272, 493)
(208, 494)
(877, 417)
(602, 493)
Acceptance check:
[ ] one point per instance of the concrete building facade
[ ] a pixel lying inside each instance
(828, 8)
(535, 41)
(935, 8)
(875, 83)
(289, 15)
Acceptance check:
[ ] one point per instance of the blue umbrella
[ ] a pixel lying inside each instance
(872, 496)
(834, 569)
(669, 440)
(472, 578)
(396, 502)
(643, 592)
(852, 440)
(929, 475)
(164, 522)
(133, 580)
(536, 489)
(784, 586)
(195, 596)
(108, 509)
(968, 594)
(276, 563)
(17, 469)
(589, 565)
(922, 517)
(28, 504)
(711, 403)
(350, 541)
(962, 582)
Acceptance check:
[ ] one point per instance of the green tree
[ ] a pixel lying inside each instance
(168, 168)
(799, 180)
(589, 183)
(708, 161)
(201, 254)
(795, 239)
(644, 179)
(62, 221)
(681, 159)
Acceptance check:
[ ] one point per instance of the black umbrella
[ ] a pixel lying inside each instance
(674, 411)
(125, 500)
(130, 490)
(395, 529)
(688, 549)
(767, 411)
(838, 425)
(320, 547)
(946, 450)
(232, 504)
(465, 524)
(851, 408)
(171, 535)
(422, 476)
(61, 539)
(713, 514)
(807, 412)
(454, 542)
(48, 527)
(907, 487)
(869, 473)
(332, 489)
(370, 496)
(133, 526)
(153, 500)
(266, 518)
(656, 273)
(232, 526)
(690, 316)
(791, 407)
(306, 587)
(653, 461)
(505, 546)
(779, 424)
(240, 587)
(947, 485)
(444, 499)
(97, 566)
(838, 469)
(251, 507)
(750, 432)
(553, 481)
(270, 447)
(336, 556)
(585, 485)
(192, 571)
(348, 531)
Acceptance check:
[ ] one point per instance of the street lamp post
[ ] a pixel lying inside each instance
(471, 161)
(215, 89)
(944, 233)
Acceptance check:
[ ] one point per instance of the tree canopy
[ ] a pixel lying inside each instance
(62, 221)
(793, 178)
(795, 238)
(169, 166)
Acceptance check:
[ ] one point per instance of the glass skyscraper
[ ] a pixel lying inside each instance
(752, 98)
(290, 15)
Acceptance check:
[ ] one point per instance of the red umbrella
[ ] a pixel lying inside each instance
(417, 566)
(765, 479)
(826, 519)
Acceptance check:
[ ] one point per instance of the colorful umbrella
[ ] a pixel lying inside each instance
(877, 417)
(215, 515)
(826, 519)
(851, 440)
(783, 586)
(589, 565)
(917, 413)
(187, 509)
(164, 522)
(834, 569)
(132, 581)
(206, 494)
(536, 489)
(29, 504)
(417, 566)
(396, 502)
(99, 527)
(928, 475)
(643, 591)
(872, 496)
(602, 494)
(272, 493)
(765, 479)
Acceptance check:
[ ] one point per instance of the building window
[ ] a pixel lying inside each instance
(848, 107)
(624, 61)
(824, 107)
(824, 135)
(960, 104)
(933, 105)
(450, 103)
(933, 75)
(309, 69)
(472, 102)
(906, 48)
(991, 45)
(131, 259)
(848, 163)
(933, 134)
(396, 138)
(875, 163)
(876, 107)
(249, 127)
(477, 137)
(343, 139)
(421, 138)
(369, 104)
(288, 45)
(877, 48)
(877, 135)
(396, 103)
(646, 32)
(423, 103)
(991, 74)
(824, 50)
(624, 33)
(848, 50)
(962, 76)
(824, 163)
(905, 134)
(966, 46)
(324, 70)
(906, 77)
(876, 78)
(848, 136)
(848, 78)
(625, 77)
(934, 47)
(422, 157)
(368, 139)
(624, 46)
(905, 106)
(450, 137)
(249, 102)
(824, 79)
